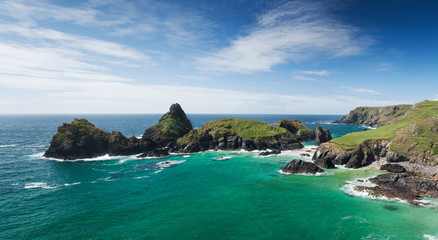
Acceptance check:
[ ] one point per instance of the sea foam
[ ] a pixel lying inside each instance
(6, 146)
(38, 185)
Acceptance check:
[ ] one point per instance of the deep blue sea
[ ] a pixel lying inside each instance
(193, 197)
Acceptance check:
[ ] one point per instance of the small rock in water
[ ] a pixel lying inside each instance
(389, 207)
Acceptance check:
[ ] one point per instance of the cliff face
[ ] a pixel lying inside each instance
(81, 139)
(171, 126)
(375, 116)
(235, 134)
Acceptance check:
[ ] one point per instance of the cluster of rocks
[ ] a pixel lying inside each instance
(174, 133)
(299, 166)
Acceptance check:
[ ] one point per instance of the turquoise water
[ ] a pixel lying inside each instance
(243, 197)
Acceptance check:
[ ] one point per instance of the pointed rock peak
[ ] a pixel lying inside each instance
(172, 125)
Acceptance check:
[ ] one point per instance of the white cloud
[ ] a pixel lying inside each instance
(385, 66)
(319, 73)
(125, 97)
(309, 79)
(362, 90)
(296, 31)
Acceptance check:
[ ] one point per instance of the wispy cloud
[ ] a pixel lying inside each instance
(309, 79)
(295, 31)
(98, 97)
(191, 77)
(318, 73)
(385, 66)
(363, 90)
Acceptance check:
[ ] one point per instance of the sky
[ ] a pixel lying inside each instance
(225, 56)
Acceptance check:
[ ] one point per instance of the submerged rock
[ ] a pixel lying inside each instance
(156, 153)
(171, 126)
(395, 168)
(300, 166)
(322, 135)
(267, 153)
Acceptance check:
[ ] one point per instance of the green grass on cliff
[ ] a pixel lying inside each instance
(417, 125)
(242, 127)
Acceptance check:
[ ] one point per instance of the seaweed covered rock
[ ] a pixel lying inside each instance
(171, 126)
(300, 166)
(322, 135)
(301, 131)
(78, 139)
(236, 134)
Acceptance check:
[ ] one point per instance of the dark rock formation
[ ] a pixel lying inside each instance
(171, 126)
(156, 153)
(363, 155)
(300, 166)
(322, 135)
(301, 131)
(403, 186)
(237, 134)
(81, 139)
(395, 168)
(324, 163)
(267, 153)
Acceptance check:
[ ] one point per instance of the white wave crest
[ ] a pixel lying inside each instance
(349, 189)
(6, 146)
(305, 174)
(38, 185)
(430, 237)
(166, 164)
(71, 184)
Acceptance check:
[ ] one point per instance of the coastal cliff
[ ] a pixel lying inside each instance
(375, 116)
(409, 136)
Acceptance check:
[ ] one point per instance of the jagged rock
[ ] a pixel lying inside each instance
(395, 168)
(157, 153)
(403, 186)
(120, 145)
(301, 131)
(266, 153)
(300, 166)
(322, 135)
(324, 163)
(171, 126)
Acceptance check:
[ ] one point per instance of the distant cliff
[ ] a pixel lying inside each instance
(375, 116)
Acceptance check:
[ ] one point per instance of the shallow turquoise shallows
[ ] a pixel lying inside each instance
(191, 197)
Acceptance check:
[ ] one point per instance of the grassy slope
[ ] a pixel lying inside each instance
(416, 118)
(242, 127)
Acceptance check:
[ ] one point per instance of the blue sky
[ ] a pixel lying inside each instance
(237, 56)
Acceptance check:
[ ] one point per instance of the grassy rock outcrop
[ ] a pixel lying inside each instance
(171, 126)
(301, 131)
(235, 134)
(81, 139)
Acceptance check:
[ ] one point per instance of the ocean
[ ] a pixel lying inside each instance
(186, 196)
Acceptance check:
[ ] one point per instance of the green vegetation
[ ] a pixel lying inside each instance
(414, 133)
(250, 129)
(297, 128)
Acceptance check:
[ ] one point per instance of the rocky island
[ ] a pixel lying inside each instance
(174, 133)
